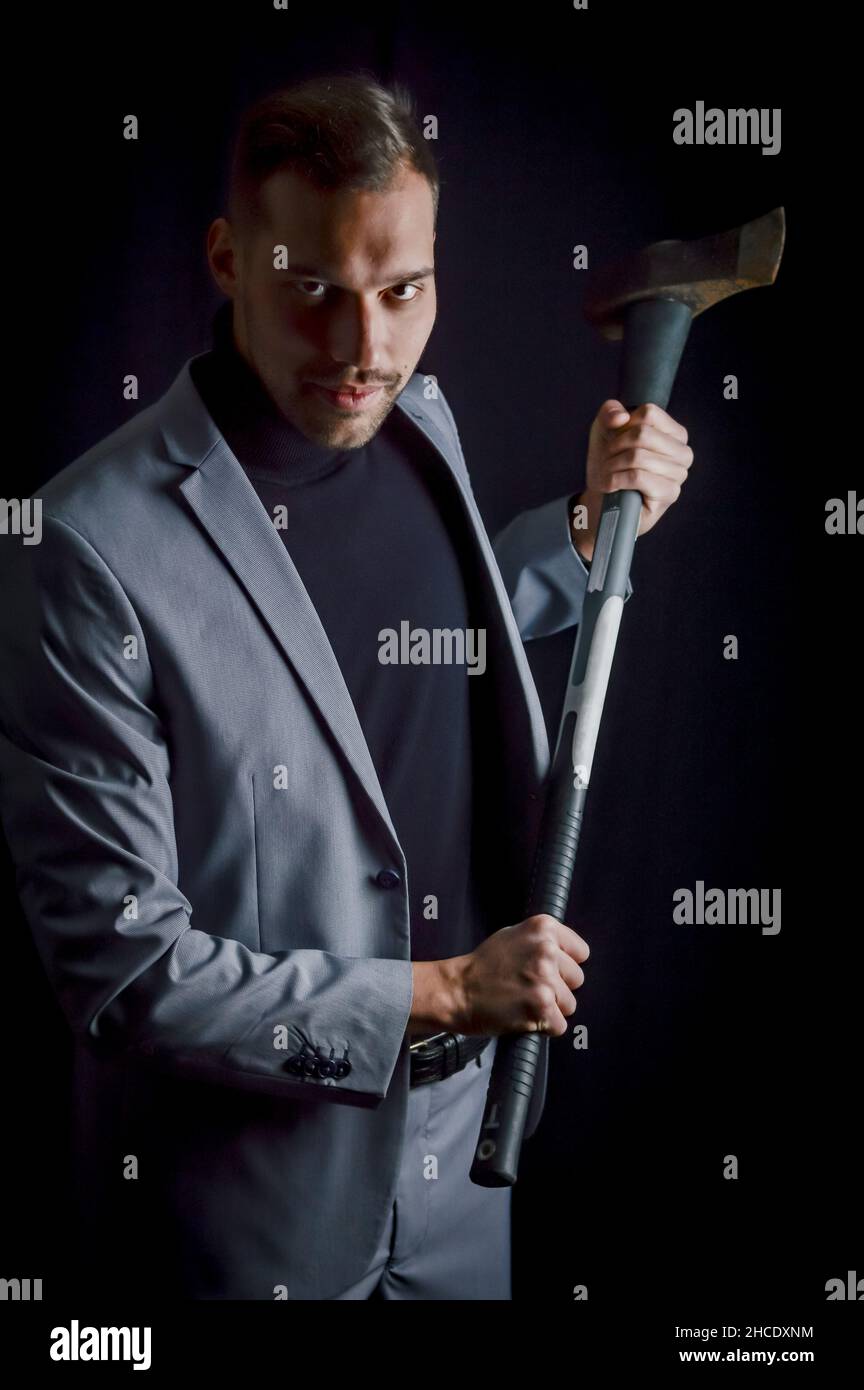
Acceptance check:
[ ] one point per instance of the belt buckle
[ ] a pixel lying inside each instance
(423, 1042)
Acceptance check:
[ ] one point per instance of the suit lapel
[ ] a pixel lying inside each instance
(517, 675)
(228, 507)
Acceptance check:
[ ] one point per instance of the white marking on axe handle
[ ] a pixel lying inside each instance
(590, 697)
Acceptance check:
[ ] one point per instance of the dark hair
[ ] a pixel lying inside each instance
(342, 130)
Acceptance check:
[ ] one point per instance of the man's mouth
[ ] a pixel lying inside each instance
(345, 398)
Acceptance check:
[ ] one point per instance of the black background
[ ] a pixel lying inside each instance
(555, 128)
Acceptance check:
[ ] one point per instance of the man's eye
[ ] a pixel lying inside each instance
(415, 291)
(319, 284)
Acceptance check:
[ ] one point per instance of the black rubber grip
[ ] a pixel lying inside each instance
(496, 1158)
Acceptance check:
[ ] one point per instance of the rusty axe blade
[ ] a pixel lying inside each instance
(696, 273)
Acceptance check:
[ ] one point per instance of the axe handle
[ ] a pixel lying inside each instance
(655, 332)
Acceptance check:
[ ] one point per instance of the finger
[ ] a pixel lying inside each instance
(654, 440)
(556, 1023)
(613, 415)
(543, 1006)
(656, 494)
(565, 1000)
(652, 414)
(572, 943)
(654, 487)
(648, 466)
(572, 974)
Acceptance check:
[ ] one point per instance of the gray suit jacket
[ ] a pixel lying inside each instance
(201, 923)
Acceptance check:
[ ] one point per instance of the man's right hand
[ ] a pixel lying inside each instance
(518, 976)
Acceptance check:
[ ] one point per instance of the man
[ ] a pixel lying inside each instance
(262, 862)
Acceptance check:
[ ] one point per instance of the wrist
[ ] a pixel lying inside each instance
(438, 995)
(453, 992)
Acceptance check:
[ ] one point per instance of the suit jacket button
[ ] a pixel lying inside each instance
(341, 1068)
(326, 1066)
(387, 878)
(295, 1065)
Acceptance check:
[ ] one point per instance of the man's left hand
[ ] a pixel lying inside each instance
(644, 449)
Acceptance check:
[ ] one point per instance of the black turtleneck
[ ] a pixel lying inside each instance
(376, 534)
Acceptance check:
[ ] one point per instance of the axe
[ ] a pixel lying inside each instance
(648, 301)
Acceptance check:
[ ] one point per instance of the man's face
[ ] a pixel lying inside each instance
(353, 308)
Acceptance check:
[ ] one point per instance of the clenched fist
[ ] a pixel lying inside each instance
(643, 449)
(518, 977)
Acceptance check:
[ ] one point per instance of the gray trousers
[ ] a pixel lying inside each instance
(445, 1237)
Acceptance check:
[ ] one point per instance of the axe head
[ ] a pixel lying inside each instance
(695, 273)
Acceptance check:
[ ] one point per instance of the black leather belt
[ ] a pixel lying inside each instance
(434, 1058)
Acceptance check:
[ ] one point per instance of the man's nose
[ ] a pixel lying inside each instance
(356, 335)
